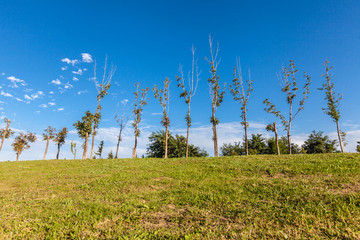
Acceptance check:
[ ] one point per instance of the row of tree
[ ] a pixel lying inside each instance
(240, 90)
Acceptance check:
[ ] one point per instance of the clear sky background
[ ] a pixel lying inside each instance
(147, 40)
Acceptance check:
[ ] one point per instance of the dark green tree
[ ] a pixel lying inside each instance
(59, 139)
(5, 133)
(188, 92)
(272, 128)
(228, 149)
(358, 147)
(84, 129)
(111, 155)
(242, 94)
(333, 102)
(271, 146)
(176, 146)
(140, 101)
(100, 149)
(22, 142)
(216, 93)
(163, 95)
(257, 144)
(290, 88)
(47, 136)
(319, 143)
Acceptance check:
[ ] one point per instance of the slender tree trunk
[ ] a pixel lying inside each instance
(188, 132)
(215, 139)
(75, 154)
(85, 147)
(17, 156)
(94, 130)
(135, 145)
(118, 143)
(339, 135)
(276, 139)
(58, 152)
(289, 129)
(166, 142)
(47, 145)
(246, 137)
(4, 134)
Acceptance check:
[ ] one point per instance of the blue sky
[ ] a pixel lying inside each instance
(42, 46)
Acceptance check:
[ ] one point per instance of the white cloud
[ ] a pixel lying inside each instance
(43, 105)
(5, 94)
(68, 86)
(2, 74)
(51, 103)
(18, 99)
(124, 102)
(34, 96)
(68, 61)
(27, 97)
(60, 109)
(78, 72)
(40, 92)
(56, 82)
(15, 80)
(82, 92)
(86, 57)
(51, 92)
(75, 79)
(64, 68)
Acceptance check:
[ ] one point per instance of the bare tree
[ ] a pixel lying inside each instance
(102, 90)
(59, 139)
(290, 88)
(242, 94)
(216, 94)
(84, 129)
(333, 102)
(272, 128)
(5, 133)
(189, 91)
(22, 142)
(140, 102)
(122, 121)
(73, 149)
(47, 136)
(163, 95)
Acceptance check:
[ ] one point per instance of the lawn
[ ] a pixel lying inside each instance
(295, 197)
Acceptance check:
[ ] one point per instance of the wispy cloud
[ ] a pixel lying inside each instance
(64, 68)
(75, 79)
(78, 72)
(68, 61)
(68, 86)
(43, 106)
(18, 99)
(60, 109)
(56, 82)
(125, 101)
(82, 92)
(86, 57)
(5, 94)
(27, 97)
(51, 103)
(15, 80)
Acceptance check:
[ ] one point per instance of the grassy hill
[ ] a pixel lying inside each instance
(296, 197)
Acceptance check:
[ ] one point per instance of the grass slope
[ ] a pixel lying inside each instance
(296, 197)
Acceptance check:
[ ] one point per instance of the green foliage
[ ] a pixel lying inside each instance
(22, 142)
(176, 146)
(140, 102)
(358, 147)
(9, 133)
(283, 146)
(319, 143)
(332, 98)
(73, 148)
(84, 127)
(228, 149)
(59, 138)
(163, 96)
(49, 133)
(111, 155)
(100, 149)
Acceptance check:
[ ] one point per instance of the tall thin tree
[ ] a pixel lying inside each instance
(242, 94)
(290, 88)
(216, 93)
(140, 101)
(73, 148)
(47, 136)
(100, 149)
(189, 91)
(333, 102)
(22, 142)
(59, 139)
(102, 90)
(121, 121)
(84, 129)
(163, 95)
(6, 132)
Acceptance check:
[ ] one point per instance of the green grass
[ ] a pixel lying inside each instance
(295, 197)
